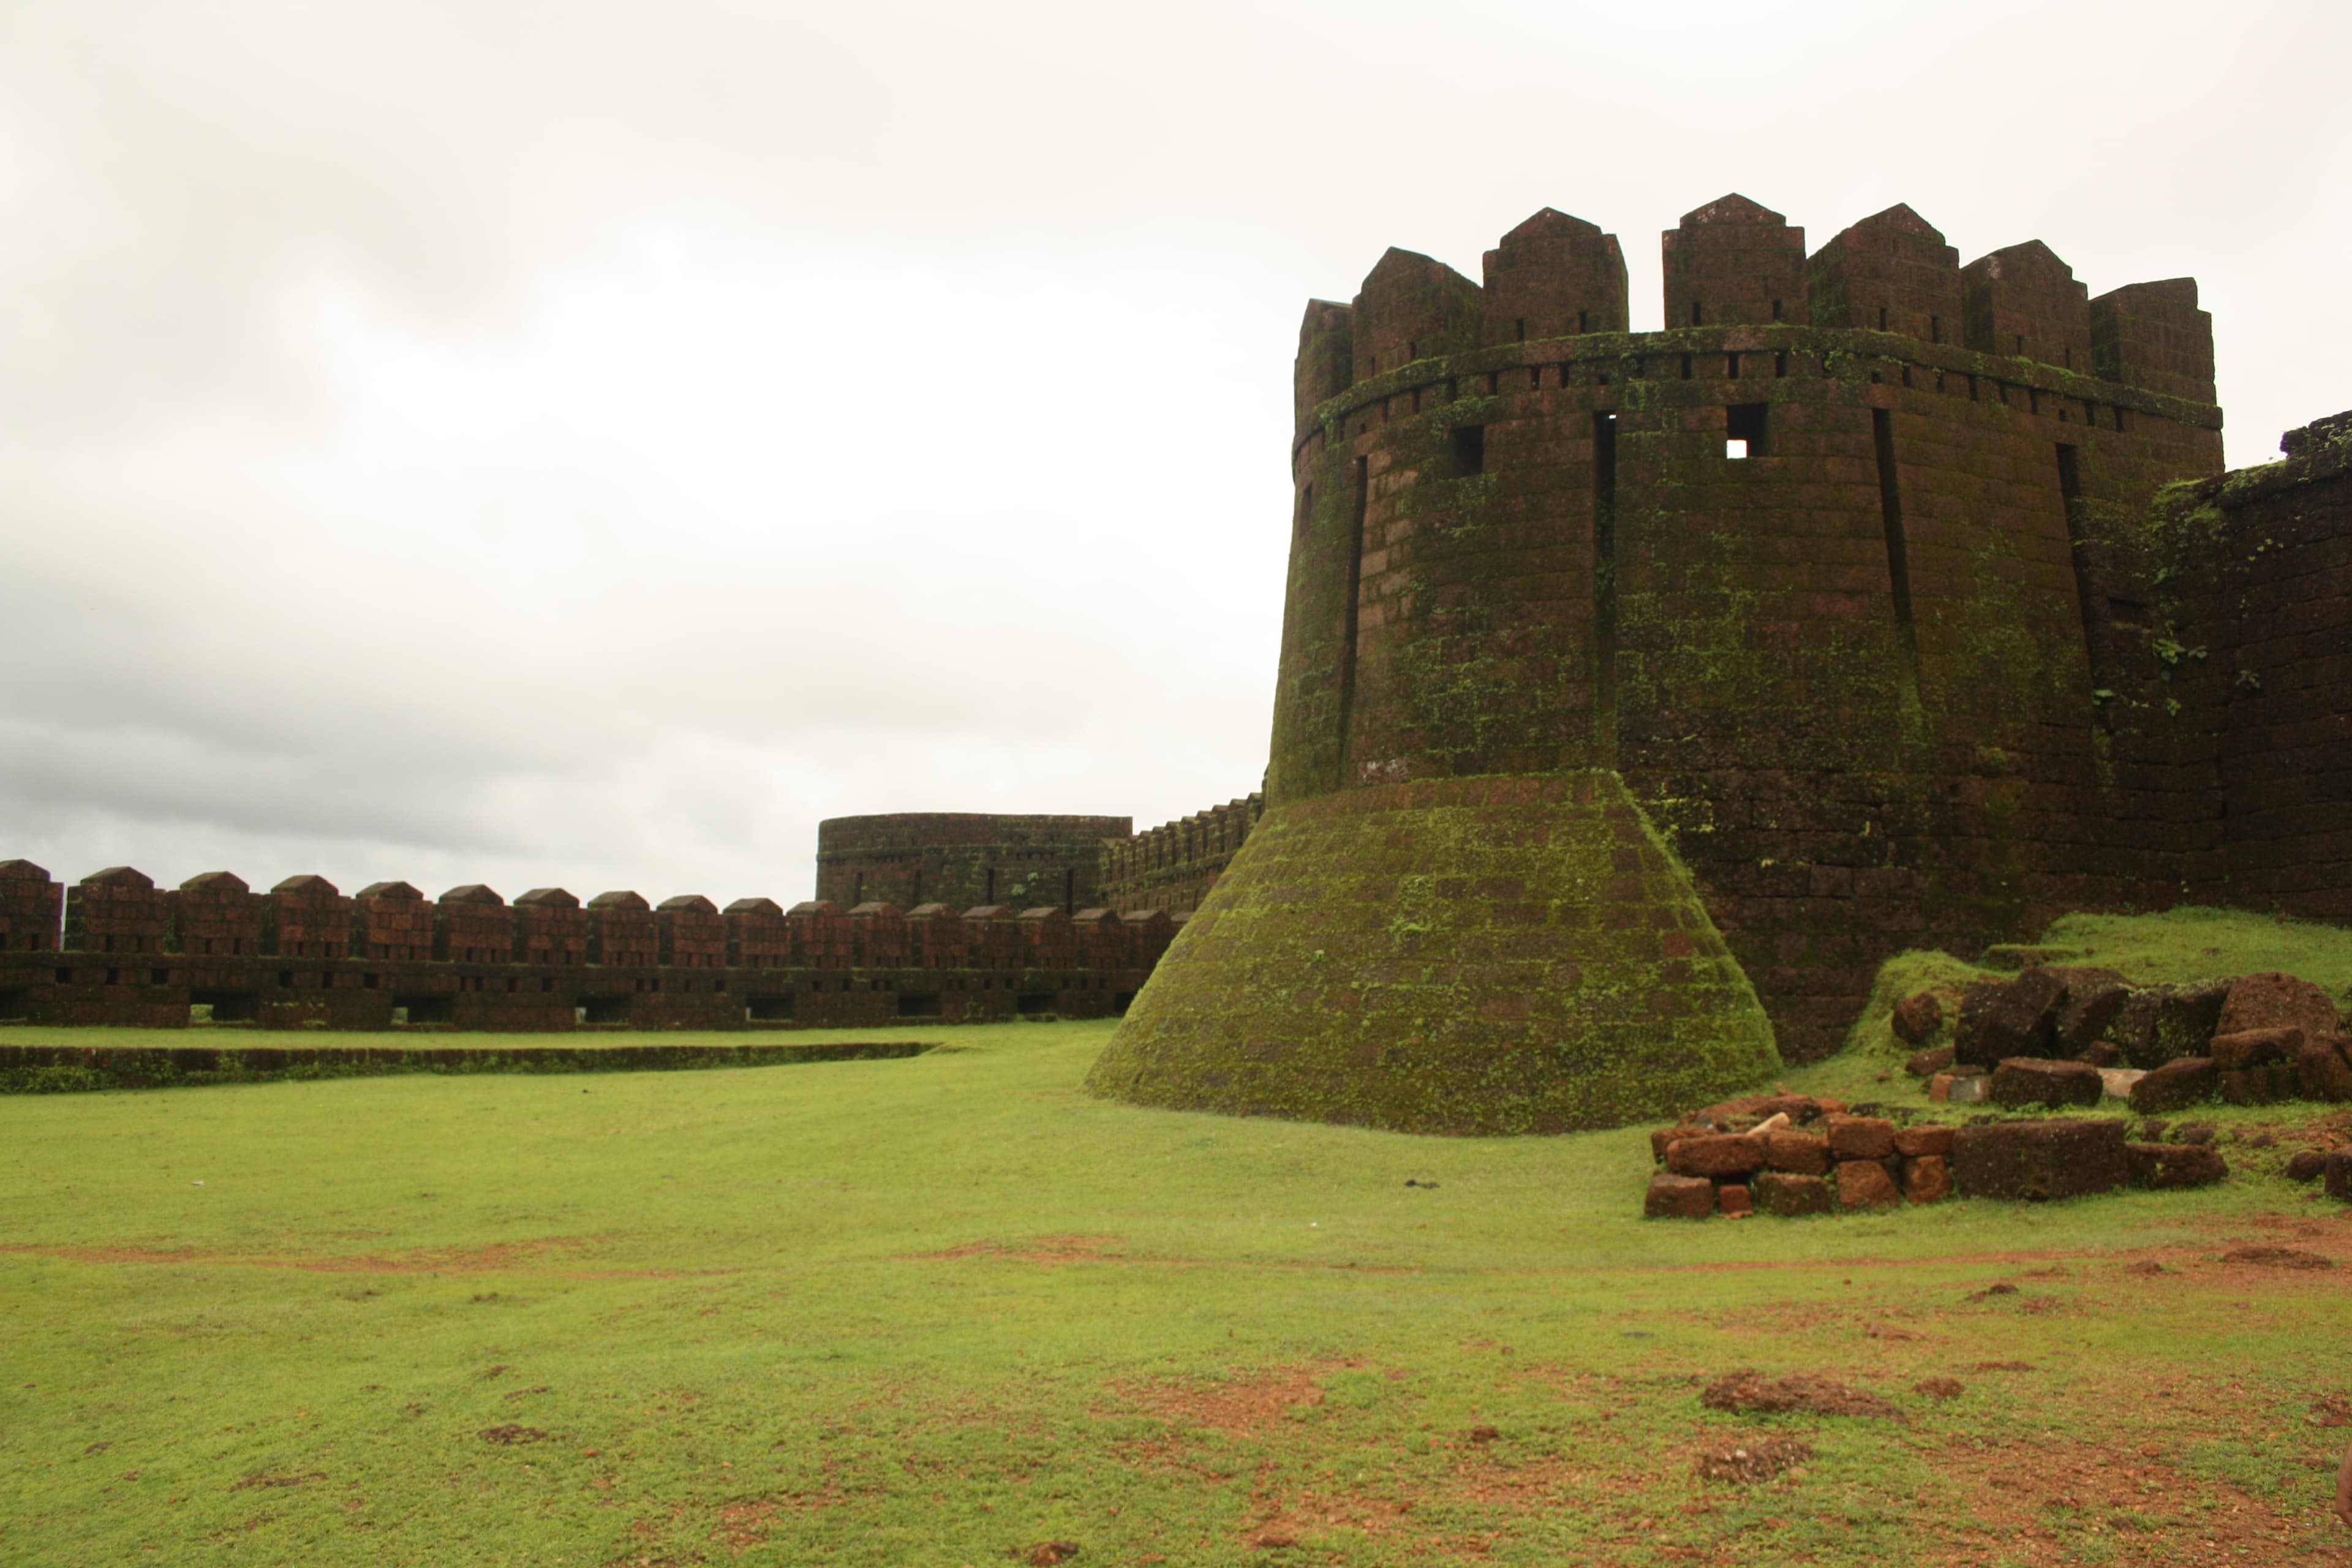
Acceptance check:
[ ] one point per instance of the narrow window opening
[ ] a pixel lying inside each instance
(2002, 387)
(1781, 363)
(2069, 359)
(1972, 386)
(1604, 588)
(1416, 400)
(1935, 328)
(1882, 318)
(1686, 367)
(2070, 496)
(1939, 380)
(1522, 324)
(1731, 366)
(1583, 322)
(2119, 418)
(1907, 375)
(1494, 382)
(1069, 891)
(1348, 632)
(1744, 429)
(2090, 412)
(1535, 377)
(1697, 316)
(1412, 350)
(2021, 345)
(1898, 551)
(989, 897)
(2033, 400)
(1776, 309)
(1469, 450)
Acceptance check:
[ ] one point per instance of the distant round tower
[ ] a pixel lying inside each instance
(1626, 676)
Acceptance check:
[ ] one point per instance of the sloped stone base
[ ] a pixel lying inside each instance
(1482, 955)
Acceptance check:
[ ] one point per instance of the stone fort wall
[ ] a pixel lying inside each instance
(306, 954)
(965, 858)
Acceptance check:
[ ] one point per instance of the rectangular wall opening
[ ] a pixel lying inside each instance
(602, 1010)
(1604, 589)
(919, 1003)
(224, 1007)
(1037, 1003)
(769, 1009)
(1469, 450)
(2070, 496)
(1898, 549)
(1745, 427)
(1349, 616)
(11, 1004)
(416, 1010)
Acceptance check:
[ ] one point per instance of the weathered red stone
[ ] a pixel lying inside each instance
(1927, 1178)
(2322, 1069)
(2007, 1018)
(2029, 1080)
(1789, 1194)
(2174, 1164)
(2245, 1048)
(1716, 1154)
(1733, 1199)
(1861, 1137)
(1865, 1184)
(2061, 1158)
(1931, 1139)
(1917, 1017)
(2276, 1001)
(1802, 1153)
(2188, 1080)
(1678, 1197)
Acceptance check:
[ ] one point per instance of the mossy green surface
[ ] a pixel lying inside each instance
(1481, 955)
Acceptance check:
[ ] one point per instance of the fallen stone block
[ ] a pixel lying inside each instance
(2064, 1157)
(1912, 1141)
(2323, 1069)
(1732, 1202)
(2163, 1022)
(1865, 1184)
(2276, 1001)
(1969, 1088)
(2186, 1081)
(1663, 1138)
(2030, 1080)
(2255, 1048)
(2249, 1088)
(2305, 1165)
(1861, 1137)
(2174, 1164)
(2193, 1133)
(2007, 1018)
(1678, 1197)
(2094, 999)
(1800, 1153)
(1785, 1193)
(1918, 1017)
(1927, 1064)
(1716, 1154)
(2100, 1054)
(1927, 1178)
(2337, 1175)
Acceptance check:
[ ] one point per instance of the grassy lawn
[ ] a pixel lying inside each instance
(945, 1310)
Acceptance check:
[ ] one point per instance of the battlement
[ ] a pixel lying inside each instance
(1735, 263)
(1173, 867)
(305, 953)
(964, 858)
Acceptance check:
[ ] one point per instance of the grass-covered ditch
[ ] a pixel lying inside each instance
(951, 1309)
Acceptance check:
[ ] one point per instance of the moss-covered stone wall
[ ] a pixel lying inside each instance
(1496, 954)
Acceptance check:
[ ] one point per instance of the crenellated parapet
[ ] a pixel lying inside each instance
(1173, 867)
(306, 954)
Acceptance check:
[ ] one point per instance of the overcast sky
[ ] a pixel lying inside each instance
(589, 443)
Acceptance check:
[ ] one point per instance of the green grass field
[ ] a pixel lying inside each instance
(947, 1310)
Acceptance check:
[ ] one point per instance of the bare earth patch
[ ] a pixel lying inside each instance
(1755, 1460)
(1047, 1250)
(1752, 1394)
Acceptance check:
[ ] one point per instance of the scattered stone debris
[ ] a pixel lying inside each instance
(2328, 1410)
(1482, 1434)
(511, 1433)
(1940, 1387)
(1758, 1459)
(2003, 1288)
(2002, 1366)
(1749, 1392)
(1048, 1554)
(2145, 1266)
(2273, 1257)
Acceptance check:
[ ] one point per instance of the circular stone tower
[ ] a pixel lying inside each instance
(1601, 646)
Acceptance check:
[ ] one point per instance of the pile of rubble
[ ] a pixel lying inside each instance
(1796, 1154)
(2060, 1035)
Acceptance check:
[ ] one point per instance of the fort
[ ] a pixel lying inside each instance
(1639, 693)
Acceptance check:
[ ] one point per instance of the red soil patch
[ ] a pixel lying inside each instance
(1748, 1394)
(2035, 1503)
(497, 1258)
(1239, 1406)
(1047, 1250)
